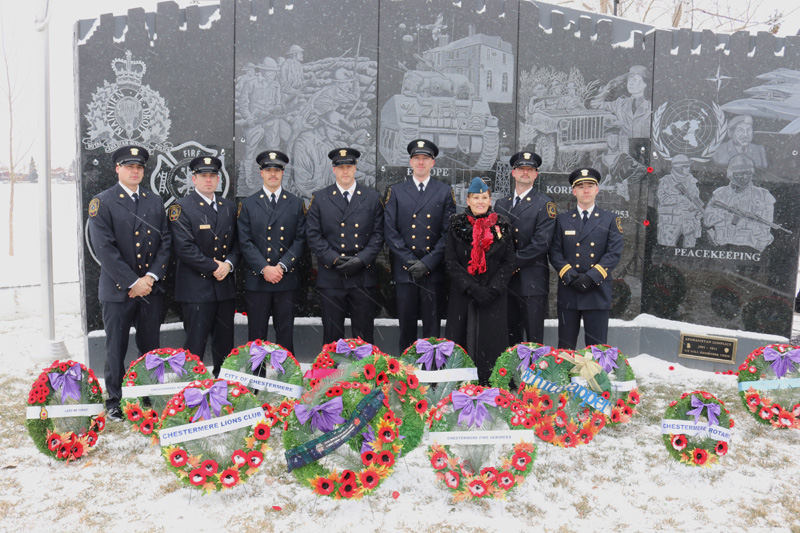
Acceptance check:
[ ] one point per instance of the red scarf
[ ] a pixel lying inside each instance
(482, 239)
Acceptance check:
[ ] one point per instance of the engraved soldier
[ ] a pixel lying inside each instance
(130, 236)
(680, 209)
(204, 239)
(740, 141)
(345, 233)
(532, 216)
(587, 245)
(633, 111)
(417, 217)
(272, 237)
(259, 104)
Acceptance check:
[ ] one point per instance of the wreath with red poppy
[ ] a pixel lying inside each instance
(779, 405)
(144, 419)
(457, 359)
(560, 418)
(65, 438)
(277, 406)
(625, 395)
(696, 449)
(464, 479)
(354, 470)
(510, 365)
(221, 461)
(406, 397)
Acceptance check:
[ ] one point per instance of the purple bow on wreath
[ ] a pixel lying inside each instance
(324, 416)
(712, 410)
(259, 352)
(607, 359)
(176, 361)
(472, 408)
(528, 357)
(217, 395)
(430, 352)
(782, 361)
(68, 382)
(359, 352)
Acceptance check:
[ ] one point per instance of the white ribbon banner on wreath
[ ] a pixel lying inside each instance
(447, 375)
(472, 438)
(157, 389)
(690, 429)
(63, 411)
(269, 385)
(215, 426)
(586, 396)
(623, 386)
(770, 384)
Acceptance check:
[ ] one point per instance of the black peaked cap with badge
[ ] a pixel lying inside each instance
(272, 159)
(525, 159)
(127, 155)
(205, 164)
(344, 156)
(424, 147)
(583, 175)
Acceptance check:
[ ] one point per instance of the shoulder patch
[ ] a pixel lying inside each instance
(239, 209)
(551, 209)
(619, 224)
(94, 207)
(174, 212)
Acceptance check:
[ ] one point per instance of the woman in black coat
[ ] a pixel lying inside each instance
(480, 260)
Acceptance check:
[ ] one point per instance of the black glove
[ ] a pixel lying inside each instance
(569, 276)
(351, 267)
(418, 269)
(582, 283)
(481, 295)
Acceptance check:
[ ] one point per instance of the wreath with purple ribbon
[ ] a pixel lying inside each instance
(702, 409)
(769, 385)
(220, 461)
(342, 351)
(624, 395)
(438, 354)
(513, 362)
(64, 438)
(483, 470)
(157, 367)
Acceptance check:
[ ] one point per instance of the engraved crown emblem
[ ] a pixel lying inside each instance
(129, 71)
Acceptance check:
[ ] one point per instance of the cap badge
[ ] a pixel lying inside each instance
(420, 144)
(273, 155)
(134, 151)
(207, 160)
(584, 172)
(342, 153)
(526, 155)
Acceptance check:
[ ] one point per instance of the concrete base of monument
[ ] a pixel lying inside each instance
(657, 337)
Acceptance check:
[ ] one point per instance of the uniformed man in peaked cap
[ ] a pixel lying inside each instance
(533, 220)
(345, 232)
(272, 236)
(131, 239)
(206, 245)
(417, 217)
(587, 245)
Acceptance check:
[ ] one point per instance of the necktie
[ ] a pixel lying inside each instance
(585, 218)
(346, 195)
(421, 188)
(516, 201)
(272, 201)
(135, 197)
(214, 205)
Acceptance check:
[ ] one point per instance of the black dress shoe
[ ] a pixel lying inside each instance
(114, 414)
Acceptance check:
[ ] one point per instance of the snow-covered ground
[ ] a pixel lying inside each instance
(623, 480)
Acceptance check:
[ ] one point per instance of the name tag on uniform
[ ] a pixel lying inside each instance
(566, 232)
(208, 226)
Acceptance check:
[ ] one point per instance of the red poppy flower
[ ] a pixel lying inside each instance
(634, 397)
(627, 411)
(569, 440)
(229, 478)
(413, 381)
(699, 456)
(776, 409)
(381, 379)
(133, 412)
(285, 409)
(76, 450)
(53, 442)
(478, 488)
(348, 476)
(387, 435)
(502, 371)
(439, 460)
(323, 486)
(368, 458)
(393, 367)
(333, 391)
(91, 438)
(721, 448)
(561, 418)
(421, 406)
(100, 423)
(585, 436)
(490, 473)
(369, 479)
(505, 480)
(598, 421)
(365, 389)
(369, 371)
(679, 442)
(562, 401)
(451, 479)
(197, 477)
(546, 433)
(616, 416)
(386, 458)
(209, 466)
(765, 413)
(546, 402)
(399, 387)
(347, 490)
(255, 458)
(271, 420)
(146, 427)
(178, 458)
(239, 457)
(261, 431)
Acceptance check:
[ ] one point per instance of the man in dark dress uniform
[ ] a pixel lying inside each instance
(533, 219)
(345, 232)
(417, 217)
(204, 239)
(587, 245)
(130, 236)
(272, 237)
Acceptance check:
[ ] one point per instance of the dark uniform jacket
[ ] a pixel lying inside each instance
(416, 226)
(533, 222)
(595, 249)
(271, 236)
(336, 228)
(200, 235)
(129, 239)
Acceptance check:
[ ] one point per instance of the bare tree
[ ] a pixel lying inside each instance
(11, 90)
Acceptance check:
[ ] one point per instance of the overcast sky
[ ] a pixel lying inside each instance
(18, 17)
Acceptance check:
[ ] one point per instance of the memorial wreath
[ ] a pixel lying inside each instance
(692, 440)
(625, 394)
(442, 364)
(769, 385)
(513, 362)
